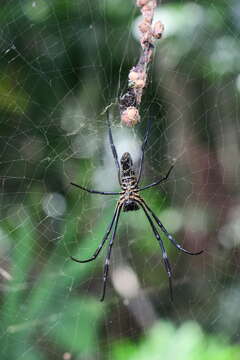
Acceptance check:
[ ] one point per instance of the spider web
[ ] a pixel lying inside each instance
(61, 64)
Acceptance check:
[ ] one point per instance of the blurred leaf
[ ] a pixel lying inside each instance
(21, 261)
(188, 342)
(36, 10)
(77, 331)
(13, 98)
(48, 287)
(13, 310)
(117, 10)
(124, 350)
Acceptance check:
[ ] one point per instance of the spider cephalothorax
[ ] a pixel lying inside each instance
(130, 200)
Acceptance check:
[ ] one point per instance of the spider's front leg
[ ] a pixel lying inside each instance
(143, 152)
(113, 148)
(95, 191)
(159, 181)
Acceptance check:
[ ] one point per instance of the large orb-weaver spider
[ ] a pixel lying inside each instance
(130, 200)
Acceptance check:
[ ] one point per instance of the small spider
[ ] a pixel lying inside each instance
(130, 200)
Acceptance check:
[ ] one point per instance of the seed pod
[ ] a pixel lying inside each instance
(158, 29)
(142, 2)
(130, 116)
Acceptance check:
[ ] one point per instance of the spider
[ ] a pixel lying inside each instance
(130, 200)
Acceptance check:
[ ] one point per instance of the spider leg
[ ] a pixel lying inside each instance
(95, 191)
(164, 253)
(94, 256)
(107, 261)
(159, 181)
(143, 152)
(114, 151)
(170, 237)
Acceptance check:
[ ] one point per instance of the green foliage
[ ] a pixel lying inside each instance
(46, 308)
(218, 56)
(78, 327)
(188, 342)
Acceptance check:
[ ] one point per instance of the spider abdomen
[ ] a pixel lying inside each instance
(130, 205)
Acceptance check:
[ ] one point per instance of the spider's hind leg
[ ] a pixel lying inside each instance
(107, 261)
(99, 248)
(164, 253)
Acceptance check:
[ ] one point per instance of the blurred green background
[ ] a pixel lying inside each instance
(61, 63)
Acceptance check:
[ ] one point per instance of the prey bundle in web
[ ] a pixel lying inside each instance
(130, 102)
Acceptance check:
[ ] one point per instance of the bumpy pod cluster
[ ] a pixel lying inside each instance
(129, 103)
